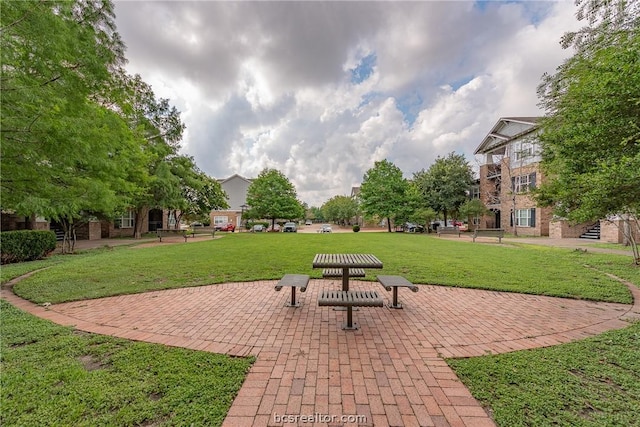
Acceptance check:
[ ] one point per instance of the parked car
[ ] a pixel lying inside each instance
(274, 229)
(258, 228)
(225, 227)
(325, 228)
(197, 224)
(308, 222)
(290, 227)
(413, 228)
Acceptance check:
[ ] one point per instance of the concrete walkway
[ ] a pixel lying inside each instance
(390, 372)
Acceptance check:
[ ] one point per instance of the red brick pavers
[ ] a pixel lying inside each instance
(308, 370)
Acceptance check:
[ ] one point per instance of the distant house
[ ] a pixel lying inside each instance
(236, 188)
(509, 170)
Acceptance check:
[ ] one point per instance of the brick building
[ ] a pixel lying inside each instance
(508, 171)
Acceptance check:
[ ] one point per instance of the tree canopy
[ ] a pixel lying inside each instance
(81, 138)
(272, 196)
(591, 133)
(383, 191)
(445, 185)
(340, 209)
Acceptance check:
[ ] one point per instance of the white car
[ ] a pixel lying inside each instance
(308, 222)
(325, 228)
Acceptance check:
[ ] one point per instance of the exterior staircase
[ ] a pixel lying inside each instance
(59, 233)
(593, 233)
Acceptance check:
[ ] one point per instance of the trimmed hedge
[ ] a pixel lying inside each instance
(26, 245)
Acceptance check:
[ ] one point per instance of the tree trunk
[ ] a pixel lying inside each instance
(139, 214)
(389, 224)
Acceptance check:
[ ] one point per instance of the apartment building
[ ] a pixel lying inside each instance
(508, 171)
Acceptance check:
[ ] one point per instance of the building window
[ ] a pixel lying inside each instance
(523, 183)
(475, 220)
(219, 220)
(475, 192)
(127, 220)
(526, 217)
(524, 153)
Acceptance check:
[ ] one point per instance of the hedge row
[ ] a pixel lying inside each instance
(26, 245)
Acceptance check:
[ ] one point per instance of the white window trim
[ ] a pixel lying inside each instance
(523, 217)
(522, 183)
(127, 220)
(220, 219)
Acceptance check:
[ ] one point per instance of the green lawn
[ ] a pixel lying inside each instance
(247, 256)
(55, 376)
(593, 382)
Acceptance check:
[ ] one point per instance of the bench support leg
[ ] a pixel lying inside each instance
(345, 287)
(350, 326)
(293, 302)
(395, 303)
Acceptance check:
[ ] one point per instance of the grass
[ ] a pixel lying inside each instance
(616, 246)
(55, 376)
(52, 375)
(246, 257)
(593, 382)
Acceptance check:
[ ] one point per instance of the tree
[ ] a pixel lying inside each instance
(445, 184)
(272, 196)
(473, 208)
(158, 129)
(198, 195)
(340, 209)
(383, 191)
(591, 133)
(65, 155)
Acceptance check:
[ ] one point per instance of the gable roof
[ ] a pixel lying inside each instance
(234, 176)
(505, 130)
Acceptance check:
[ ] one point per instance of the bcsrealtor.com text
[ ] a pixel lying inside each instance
(318, 418)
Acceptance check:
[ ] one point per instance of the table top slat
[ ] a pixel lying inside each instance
(346, 260)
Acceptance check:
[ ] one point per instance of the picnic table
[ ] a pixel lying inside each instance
(347, 298)
(346, 262)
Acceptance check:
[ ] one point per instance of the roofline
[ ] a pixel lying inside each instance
(533, 121)
(235, 175)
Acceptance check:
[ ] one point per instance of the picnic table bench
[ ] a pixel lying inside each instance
(160, 232)
(448, 230)
(294, 281)
(489, 232)
(350, 299)
(337, 272)
(393, 283)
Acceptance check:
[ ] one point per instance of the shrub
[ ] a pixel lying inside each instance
(26, 245)
(356, 228)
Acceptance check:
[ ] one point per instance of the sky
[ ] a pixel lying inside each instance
(321, 90)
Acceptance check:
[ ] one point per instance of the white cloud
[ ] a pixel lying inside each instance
(264, 84)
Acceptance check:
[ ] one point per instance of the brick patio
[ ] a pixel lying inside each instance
(390, 372)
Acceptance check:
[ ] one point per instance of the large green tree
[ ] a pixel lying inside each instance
(65, 152)
(591, 133)
(445, 185)
(272, 196)
(158, 129)
(383, 192)
(199, 194)
(340, 209)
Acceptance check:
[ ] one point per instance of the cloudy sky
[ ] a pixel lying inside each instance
(322, 90)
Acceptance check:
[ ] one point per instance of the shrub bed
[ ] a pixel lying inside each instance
(26, 245)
